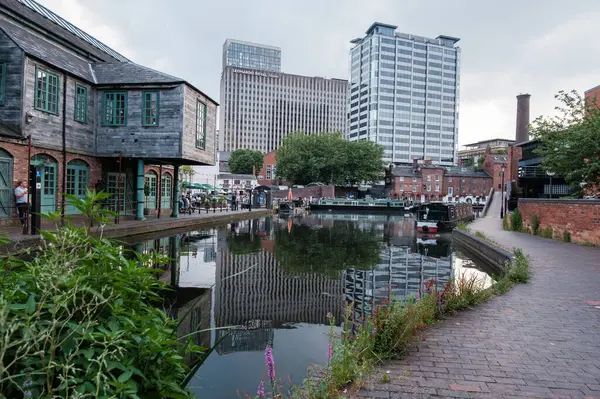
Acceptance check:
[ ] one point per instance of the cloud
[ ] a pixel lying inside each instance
(508, 47)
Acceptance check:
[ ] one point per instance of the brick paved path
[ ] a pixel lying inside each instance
(541, 339)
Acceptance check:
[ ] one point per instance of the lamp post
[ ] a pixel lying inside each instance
(503, 168)
(550, 174)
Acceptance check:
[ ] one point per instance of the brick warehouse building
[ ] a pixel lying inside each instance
(427, 182)
(91, 118)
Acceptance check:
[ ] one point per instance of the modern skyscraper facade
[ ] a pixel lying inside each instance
(259, 106)
(404, 94)
(242, 54)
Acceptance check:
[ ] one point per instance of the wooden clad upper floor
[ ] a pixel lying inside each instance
(106, 108)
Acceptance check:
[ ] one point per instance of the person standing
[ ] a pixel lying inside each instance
(21, 200)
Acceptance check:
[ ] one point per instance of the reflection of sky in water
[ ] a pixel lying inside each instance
(248, 268)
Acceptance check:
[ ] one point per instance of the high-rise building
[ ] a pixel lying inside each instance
(404, 94)
(260, 105)
(237, 53)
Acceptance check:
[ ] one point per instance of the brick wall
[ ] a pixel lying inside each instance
(19, 153)
(514, 156)
(307, 192)
(581, 218)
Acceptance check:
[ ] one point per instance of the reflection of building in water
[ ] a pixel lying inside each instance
(191, 308)
(253, 291)
(399, 274)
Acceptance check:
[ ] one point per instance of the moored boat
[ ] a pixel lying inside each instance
(437, 216)
(361, 205)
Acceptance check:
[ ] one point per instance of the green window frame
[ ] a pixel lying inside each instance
(200, 125)
(46, 91)
(2, 83)
(81, 102)
(114, 108)
(150, 108)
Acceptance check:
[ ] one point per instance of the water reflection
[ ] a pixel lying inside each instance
(275, 280)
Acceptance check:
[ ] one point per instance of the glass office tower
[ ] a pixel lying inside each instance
(404, 94)
(237, 53)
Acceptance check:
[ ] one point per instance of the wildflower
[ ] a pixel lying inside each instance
(374, 331)
(329, 316)
(330, 351)
(261, 389)
(270, 361)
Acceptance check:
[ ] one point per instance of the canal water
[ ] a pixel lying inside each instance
(272, 281)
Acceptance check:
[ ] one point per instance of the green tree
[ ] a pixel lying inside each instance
(242, 161)
(187, 172)
(571, 139)
(327, 250)
(328, 158)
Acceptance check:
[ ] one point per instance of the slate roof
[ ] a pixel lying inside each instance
(96, 73)
(233, 176)
(51, 22)
(499, 158)
(465, 172)
(130, 73)
(406, 171)
(48, 52)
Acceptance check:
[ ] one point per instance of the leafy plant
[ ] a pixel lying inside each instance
(516, 221)
(245, 161)
(535, 224)
(505, 222)
(547, 232)
(80, 320)
(566, 236)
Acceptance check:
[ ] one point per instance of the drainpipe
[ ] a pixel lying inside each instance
(64, 152)
(159, 193)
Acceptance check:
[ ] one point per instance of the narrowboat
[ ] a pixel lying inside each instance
(437, 216)
(360, 205)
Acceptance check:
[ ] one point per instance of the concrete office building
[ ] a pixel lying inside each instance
(404, 94)
(260, 105)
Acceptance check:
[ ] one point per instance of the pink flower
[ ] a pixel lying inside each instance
(270, 361)
(330, 351)
(261, 389)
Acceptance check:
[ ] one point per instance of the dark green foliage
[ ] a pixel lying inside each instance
(243, 243)
(566, 236)
(81, 320)
(327, 251)
(547, 232)
(571, 140)
(535, 225)
(505, 222)
(328, 158)
(242, 161)
(516, 221)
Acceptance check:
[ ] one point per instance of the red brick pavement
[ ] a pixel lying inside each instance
(539, 340)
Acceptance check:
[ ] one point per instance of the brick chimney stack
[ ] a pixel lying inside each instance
(522, 133)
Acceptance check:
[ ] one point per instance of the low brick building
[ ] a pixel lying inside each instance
(492, 165)
(427, 182)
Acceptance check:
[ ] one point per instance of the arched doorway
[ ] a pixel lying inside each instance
(77, 182)
(49, 171)
(166, 188)
(150, 184)
(6, 184)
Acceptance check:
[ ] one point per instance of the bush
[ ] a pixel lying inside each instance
(505, 222)
(81, 320)
(535, 224)
(516, 221)
(566, 236)
(547, 232)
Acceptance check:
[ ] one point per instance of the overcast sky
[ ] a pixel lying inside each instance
(508, 47)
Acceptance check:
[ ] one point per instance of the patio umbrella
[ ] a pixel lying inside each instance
(290, 196)
(289, 225)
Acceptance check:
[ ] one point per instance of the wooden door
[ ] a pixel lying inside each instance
(6, 185)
